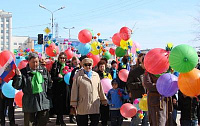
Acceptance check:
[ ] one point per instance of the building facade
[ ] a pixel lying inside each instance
(22, 42)
(5, 30)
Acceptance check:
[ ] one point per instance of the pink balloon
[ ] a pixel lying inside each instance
(85, 36)
(125, 33)
(106, 84)
(135, 46)
(69, 53)
(95, 58)
(116, 39)
(128, 110)
(22, 64)
(123, 74)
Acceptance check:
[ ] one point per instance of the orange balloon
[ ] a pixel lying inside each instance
(94, 37)
(98, 34)
(189, 83)
(32, 50)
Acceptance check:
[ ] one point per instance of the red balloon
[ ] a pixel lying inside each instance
(125, 33)
(123, 74)
(95, 58)
(22, 64)
(128, 110)
(18, 98)
(112, 51)
(5, 56)
(116, 39)
(69, 53)
(52, 50)
(85, 36)
(156, 61)
(49, 64)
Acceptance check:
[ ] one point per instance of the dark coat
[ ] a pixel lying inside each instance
(159, 108)
(33, 102)
(134, 83)
(61, 92)
(189, 107)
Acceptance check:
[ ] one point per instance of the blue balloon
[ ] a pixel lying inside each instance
(19, 59)
(8, 90)
(84, 49)
(67, 77)
(100, 40)
(176, 73)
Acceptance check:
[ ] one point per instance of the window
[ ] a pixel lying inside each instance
(7, 19)
(7, 37)
(7, 31)
(20, 43)
(1, 37)
(7, 25)
(2, 31)
(1, 48)
(7, 43)
(2, 25)
(2, 19)
(2, 43)
(15, 43)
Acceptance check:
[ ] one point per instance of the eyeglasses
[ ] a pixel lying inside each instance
(62, 57)
(89, 64)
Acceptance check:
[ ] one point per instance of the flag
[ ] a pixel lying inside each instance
(7, 71)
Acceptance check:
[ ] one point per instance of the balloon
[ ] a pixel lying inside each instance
(167, 84)
(112, 51)
(125, 33)
(22, 64)
(92, 32)
(156, 61)
(136, 103)
(69, 53)
(18, 98)
(136, 46)
(123, 74)
(120, 52)
(49, 64)
(116, 39)
(67, 77)
(98, 34)
(96, 48)
(143, 103)
(84, 49)
(8, 90)
(5, 56)
(85, 36)
(52, 50)
(189, 83)
(126, 44)
(19, 59)
(95, 58)
(107, 55)
(183, 58)
(106, 84)
(127, 110)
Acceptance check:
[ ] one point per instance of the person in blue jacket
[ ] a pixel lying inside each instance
(115, 98)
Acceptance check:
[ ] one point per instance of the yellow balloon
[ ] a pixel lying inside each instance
(96, 48)
(49, 42)
(125, 44)
(143, 103)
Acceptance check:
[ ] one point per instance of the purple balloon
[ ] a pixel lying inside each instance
(167, 84)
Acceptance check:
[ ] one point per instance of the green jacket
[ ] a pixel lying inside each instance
(33, 102)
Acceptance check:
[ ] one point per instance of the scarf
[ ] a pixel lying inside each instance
(114, 73)
(89, 74)
(36, 82)
(61, 69)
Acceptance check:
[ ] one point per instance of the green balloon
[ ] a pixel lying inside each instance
(120, 52)
(183, 58)
(107, 55)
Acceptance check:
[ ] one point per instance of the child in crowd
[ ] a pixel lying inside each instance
(115, 98)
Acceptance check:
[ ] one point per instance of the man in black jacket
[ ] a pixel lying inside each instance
(34, 81)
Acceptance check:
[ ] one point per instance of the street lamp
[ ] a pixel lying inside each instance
(69, 30)
(52, 12)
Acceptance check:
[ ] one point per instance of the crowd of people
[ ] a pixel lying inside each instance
(46, 94)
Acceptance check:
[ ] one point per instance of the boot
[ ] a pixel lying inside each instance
(72, 119)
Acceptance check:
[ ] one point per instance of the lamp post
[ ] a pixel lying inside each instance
(52, 12)
(69, 30)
